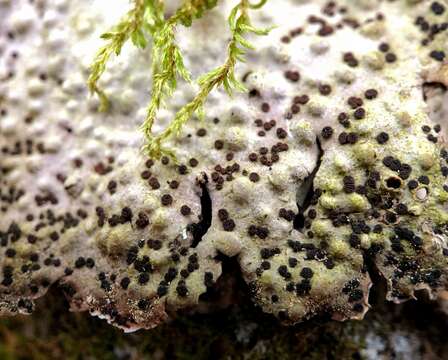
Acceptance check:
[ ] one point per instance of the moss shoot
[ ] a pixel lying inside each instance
(146, 21)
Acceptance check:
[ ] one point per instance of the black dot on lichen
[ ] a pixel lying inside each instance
(185, 210)
(437, 8)
(167, 200)
(254, 177)
(393, 182)
(124, 283)
(382, 137)
(143, 304)
(306, 273)
(182, 290)
(326, 132)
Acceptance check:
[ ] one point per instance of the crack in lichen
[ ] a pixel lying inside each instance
(432, 85)
(308, 184)
(199, 229)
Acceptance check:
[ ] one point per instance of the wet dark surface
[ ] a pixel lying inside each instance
(413, 330)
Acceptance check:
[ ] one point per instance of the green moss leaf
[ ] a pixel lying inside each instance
(147, 18)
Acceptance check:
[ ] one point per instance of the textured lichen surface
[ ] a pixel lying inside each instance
(328, 167)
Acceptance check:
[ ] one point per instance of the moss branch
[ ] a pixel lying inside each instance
(147, 17)
(145, 14)
(223, 75)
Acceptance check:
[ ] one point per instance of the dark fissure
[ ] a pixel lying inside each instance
(308, 185)
(200, 229)
(428, 86)
(230, 288)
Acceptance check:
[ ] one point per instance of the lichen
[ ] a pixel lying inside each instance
(310, 203)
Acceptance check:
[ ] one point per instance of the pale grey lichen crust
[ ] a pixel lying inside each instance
(329, 166)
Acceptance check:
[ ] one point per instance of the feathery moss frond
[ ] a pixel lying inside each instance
(167, 58)
(145, 14)
(224, 75)
(147, 17)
